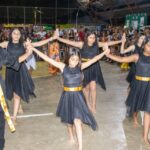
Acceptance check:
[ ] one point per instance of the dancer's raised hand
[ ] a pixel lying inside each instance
(56, 34)
(29, 48)
(123, 38)
(106, 49)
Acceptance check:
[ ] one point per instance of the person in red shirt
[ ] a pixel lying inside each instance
(81, 34)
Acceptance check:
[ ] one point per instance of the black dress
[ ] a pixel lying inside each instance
(93, 72)
(139, 96)
(17, 77)
(72, 104)
(131, 74)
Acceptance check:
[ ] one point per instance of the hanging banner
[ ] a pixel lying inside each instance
(136, 21)
(48, 27)
(65, 26)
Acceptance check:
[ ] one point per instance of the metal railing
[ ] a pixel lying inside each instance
(34, 15)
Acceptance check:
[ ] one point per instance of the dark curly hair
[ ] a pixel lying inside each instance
(10, 35)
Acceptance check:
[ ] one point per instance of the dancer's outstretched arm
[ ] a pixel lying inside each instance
(80, 44)
(132, 58)
(101, 44)
(93, 60)
(34, 44)
(59, 65)
(25, 56)
(66, 41)
(40, 43)
(72, 43)
(129, 49)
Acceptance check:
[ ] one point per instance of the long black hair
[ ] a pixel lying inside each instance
(147, 39)
(72, 52)
(143, 43)
(10, 35)
(87, 34)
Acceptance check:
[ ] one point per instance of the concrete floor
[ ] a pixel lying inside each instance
(47, 133)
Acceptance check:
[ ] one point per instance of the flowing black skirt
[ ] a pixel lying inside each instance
(94, 73)
(17, 77)
(139, 97)
(131, 73)
(72, 106)
(20, 82)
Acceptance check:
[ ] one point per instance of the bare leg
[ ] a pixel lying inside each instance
(146, 128)
(71, 134)
(20, 111)
(78, 126)
(93, 95)
(16, 99)
(142, 117)
(86, 91)
(135, 119)
(135, 114)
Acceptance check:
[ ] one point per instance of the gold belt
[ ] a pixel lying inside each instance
(73, 88)
(142, 78)
(5, 109)
(85, 59)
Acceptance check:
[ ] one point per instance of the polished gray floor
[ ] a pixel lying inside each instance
(47, 133)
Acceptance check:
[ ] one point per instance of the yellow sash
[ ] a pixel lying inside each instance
(85, 59)
(5, 109)
(142, 78)
(73, 89)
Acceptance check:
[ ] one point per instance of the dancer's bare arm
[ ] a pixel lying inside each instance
(132, 58)
(72, 43)
(59, 65)
(129, 49)
(40, 43)
(25, 56)
(102, 44)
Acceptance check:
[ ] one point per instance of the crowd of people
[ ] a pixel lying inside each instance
(109, 33)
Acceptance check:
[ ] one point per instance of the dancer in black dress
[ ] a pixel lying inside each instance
(72, 108)
(2, 121)
(92, 74)
(19, 84)
(139, 96)
(135, 49)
